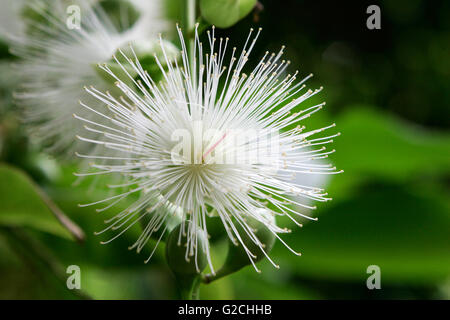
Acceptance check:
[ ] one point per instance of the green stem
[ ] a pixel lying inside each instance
(188, 286)
(190, 12)
(190, 26)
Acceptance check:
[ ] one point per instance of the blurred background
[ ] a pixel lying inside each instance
(387, 90)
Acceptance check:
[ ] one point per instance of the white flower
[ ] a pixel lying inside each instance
(58, 61)
(214, 96)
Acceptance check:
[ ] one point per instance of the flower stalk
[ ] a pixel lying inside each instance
(190, 25)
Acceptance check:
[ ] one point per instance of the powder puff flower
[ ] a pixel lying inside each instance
(58, 61)
(209, 137)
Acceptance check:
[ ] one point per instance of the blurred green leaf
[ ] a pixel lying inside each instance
(404, 232)
(28, 270)
(147, 282)
(22, 205)
(225, 13)
(218, 290)
(248, 284)
(375, 144)
(115, 254)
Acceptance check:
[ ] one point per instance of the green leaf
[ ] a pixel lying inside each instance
(404, 232)
(270, 283)
(374, 142)
(22, 204)
(146, 282)
(378, 145)
(225, 13)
